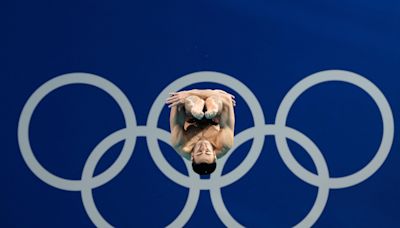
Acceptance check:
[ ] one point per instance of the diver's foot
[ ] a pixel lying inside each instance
(194, 105)
(210, 114)
(197, 113)
(213, 106)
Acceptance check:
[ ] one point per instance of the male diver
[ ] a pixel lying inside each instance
(202, 126)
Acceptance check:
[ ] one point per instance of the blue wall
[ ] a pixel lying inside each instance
(142, 47)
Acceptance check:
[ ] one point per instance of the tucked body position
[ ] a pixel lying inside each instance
(202, 126)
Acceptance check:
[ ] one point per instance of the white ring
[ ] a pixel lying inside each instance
(312, 150)
(194, 180)
(43, 91)
(368, 87)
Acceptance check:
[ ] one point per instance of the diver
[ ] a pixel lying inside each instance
(202, 126)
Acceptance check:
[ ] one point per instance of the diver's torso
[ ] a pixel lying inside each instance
(195, 130)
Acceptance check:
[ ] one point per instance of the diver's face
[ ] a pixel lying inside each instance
(203, 152)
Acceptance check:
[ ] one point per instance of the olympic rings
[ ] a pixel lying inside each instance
(322, 180)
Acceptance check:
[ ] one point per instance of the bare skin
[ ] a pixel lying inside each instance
(200, 140)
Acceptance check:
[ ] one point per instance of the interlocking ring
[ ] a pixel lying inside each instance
(322, 180)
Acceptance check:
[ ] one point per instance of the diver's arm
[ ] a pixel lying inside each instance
(227, 113)
(225, 139)
(201, 93)
(179, 97)
(177, 119)
(227, 126)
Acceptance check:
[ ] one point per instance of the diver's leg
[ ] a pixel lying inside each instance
(194, 105)
(214, 106)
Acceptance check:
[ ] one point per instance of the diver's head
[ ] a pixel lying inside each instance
(203, 158)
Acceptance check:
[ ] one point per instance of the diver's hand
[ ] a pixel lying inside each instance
(228, 95)
(176, 98)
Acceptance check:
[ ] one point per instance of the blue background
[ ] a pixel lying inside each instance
(142, 46)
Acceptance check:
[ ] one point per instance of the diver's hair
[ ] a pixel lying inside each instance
(204, 168)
